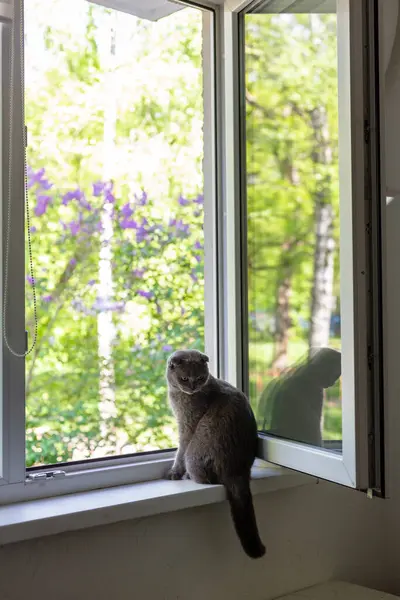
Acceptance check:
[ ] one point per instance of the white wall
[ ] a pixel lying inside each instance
(312, 534)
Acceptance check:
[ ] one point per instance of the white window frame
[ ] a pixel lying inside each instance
(16, 481)
(359, 464)
(225, 280)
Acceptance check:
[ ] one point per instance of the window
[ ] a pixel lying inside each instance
(196, 177)
(121, 178)
(307, 214)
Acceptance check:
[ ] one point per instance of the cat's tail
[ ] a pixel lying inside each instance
(244, 518)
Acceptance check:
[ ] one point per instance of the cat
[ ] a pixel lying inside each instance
(217, 438)
(291, 405)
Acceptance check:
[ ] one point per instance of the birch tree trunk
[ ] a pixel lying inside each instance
(322, 287)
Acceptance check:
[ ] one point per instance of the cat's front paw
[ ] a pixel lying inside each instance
(175, 474)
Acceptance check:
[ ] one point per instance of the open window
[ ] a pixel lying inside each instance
(311, 258)
(200, 176)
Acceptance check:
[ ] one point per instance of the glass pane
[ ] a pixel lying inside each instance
(114, 109)
(293, 224)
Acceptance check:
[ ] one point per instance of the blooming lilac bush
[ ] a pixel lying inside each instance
(156, 302)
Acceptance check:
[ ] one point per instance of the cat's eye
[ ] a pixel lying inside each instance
(184, 378)
(200, 378)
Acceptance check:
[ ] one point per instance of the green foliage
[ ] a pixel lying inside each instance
(157, 239)
(108, 125)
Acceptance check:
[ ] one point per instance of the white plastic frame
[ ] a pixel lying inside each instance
(354, 467)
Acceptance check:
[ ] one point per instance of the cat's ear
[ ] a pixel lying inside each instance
(174, 362)
(204, 358)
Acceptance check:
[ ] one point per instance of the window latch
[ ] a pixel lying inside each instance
(44, 476)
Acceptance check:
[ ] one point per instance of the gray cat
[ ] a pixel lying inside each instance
(217, 438)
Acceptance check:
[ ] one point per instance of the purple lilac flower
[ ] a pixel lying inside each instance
(193, 275)
(183, 201)
(42, 204)
(144, 294)
(129, 224)
(172, 223)
(37, 178)
(198, 258)
(45, 184)
(72, 262)
(91, 282)
(138, 273)
(108, 192)
(76, 194)
(199, 199)
(84, 203)
(33, 229)
(47, 298)
(183, 227)
(141, 234)
(98, 188)
(30, 279)
(198, 246)
(127, 211)
(167, 348)
(74, 227)
(142, 199)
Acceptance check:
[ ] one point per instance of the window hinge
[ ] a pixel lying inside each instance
(44, 476)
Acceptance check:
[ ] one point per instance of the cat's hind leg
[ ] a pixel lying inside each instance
(198, 467)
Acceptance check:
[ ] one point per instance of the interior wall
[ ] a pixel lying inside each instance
(312, 533)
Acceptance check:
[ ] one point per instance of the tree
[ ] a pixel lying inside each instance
(292, 169)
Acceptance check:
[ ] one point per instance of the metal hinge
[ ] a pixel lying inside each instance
(44, 476)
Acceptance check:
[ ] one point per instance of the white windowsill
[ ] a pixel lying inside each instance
(49, 516)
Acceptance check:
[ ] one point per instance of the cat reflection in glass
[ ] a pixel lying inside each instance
(291, 405)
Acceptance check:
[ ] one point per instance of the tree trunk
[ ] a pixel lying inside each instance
(282, 322)
(322, 287)
(282, 314)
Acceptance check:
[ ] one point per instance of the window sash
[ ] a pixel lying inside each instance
(116, 470)
(360, 306)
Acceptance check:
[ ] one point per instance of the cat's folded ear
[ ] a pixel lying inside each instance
(174, 361)
(204, 358)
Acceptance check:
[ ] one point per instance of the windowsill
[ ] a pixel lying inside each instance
(49, 516)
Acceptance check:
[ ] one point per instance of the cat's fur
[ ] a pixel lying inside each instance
(217, 438)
